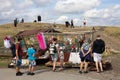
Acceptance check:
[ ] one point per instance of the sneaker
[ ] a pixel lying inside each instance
(98, 71)
(54, 70)
(32, 74)
(80, 72)
(102, 71)
(85, 71)
(18, 74)
(28, 73)
(60, 69)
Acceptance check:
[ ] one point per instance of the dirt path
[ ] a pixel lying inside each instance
(113, 74)
(67, 74)
(44, 74)
(110, 41)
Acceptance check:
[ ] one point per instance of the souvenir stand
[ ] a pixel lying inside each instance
(71, 41)
(29, 37)
(71, 53)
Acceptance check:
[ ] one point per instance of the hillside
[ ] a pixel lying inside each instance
(111, 35)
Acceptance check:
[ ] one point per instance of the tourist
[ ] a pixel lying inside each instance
(31, 57)
(85, 55)
(61, 55)
(19, 54)
(98, 48)
(54, 50)
(12, 48)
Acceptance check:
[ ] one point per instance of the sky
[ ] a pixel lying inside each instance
(95, 12)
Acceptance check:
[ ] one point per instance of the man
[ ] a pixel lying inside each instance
(15, 22)
(19, 53)
(98, 49)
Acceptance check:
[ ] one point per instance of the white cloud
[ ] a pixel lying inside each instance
(73, 6)
(25, 4)
(5, 5)
(117, 7)
(41, 2)
(106, 16)
(62, 19)
(102, 13)
(7, 14)
(59, 11)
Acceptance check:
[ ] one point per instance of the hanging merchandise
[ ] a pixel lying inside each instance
(41, 41)
(58, 37)
(7, 42)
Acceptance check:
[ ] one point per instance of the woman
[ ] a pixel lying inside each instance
(85, 56)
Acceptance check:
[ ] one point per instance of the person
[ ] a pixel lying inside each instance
(72, 25)
(84, 22)
(22, 20)
(61, 55)
(31, 57)
(85, 56)
(54, 50)
(15, 22)
(98, 48)
(19, 54)
(81, 43)
(12, 48)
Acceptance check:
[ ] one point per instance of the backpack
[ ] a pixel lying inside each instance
(53, 48)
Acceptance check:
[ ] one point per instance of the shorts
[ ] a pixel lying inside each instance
(32, 63)
(54, 57)
(61, 56)
(19, 62)
(97, 57)
(84, 59)
(87, 58)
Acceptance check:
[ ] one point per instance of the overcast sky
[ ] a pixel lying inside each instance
(96, 12)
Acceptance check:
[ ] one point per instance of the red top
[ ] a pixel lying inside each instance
(19, 49)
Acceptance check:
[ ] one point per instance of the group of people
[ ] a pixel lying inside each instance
(56, 50)
(97, 48)
(18, 50)
(88, 52)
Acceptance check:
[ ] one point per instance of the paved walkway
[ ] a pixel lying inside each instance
(44, 74)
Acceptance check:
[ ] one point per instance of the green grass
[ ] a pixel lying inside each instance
(113, 31)
(9, 29)
(4, 62)
(111, 54)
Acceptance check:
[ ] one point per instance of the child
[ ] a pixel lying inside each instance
(61, 55)
(31, 57)
(54, 52)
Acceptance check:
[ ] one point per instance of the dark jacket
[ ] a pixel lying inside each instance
(98, 46)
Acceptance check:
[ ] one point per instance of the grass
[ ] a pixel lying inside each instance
(113, 31)
(9, 29)
(4, 62)
(112, 53)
